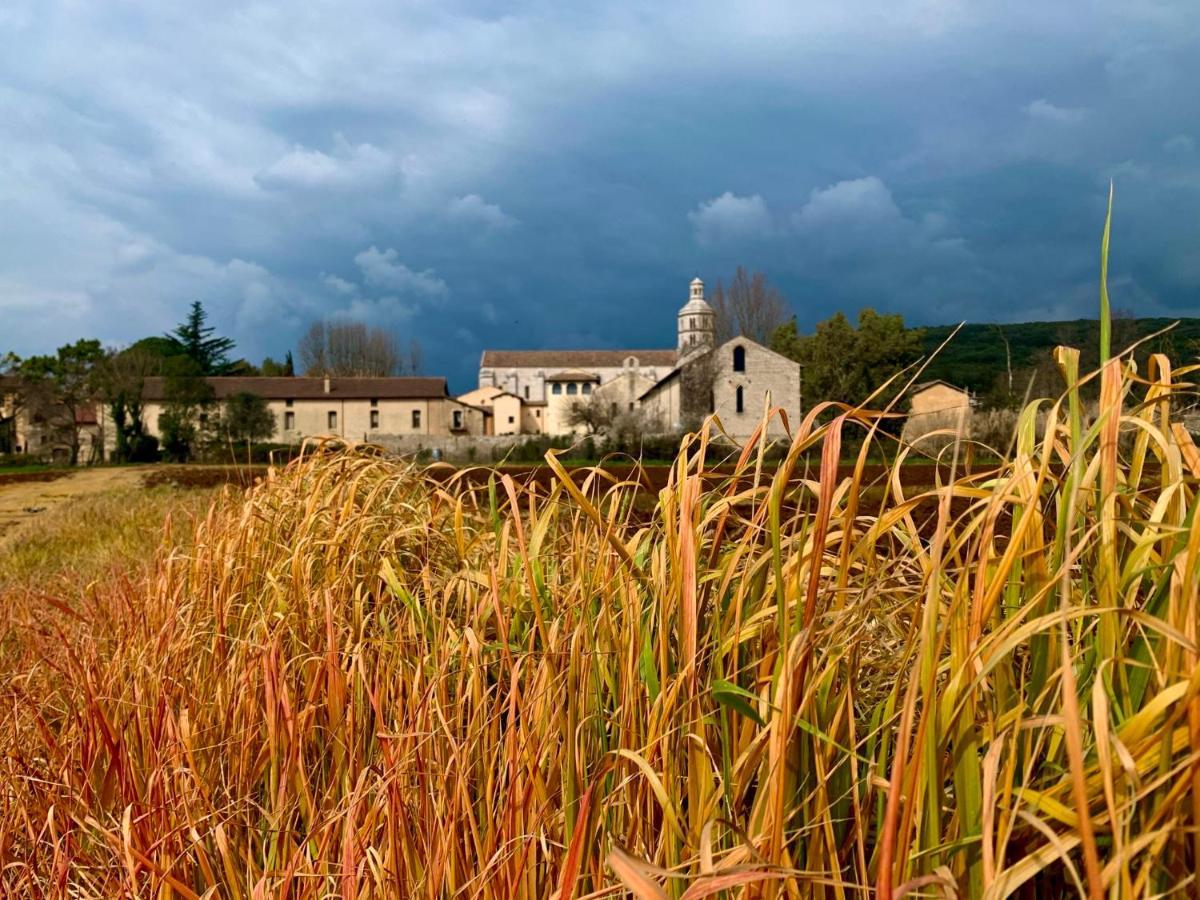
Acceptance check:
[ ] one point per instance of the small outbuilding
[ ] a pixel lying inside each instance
(936, 406)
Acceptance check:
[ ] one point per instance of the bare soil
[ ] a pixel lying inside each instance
(22, 477)
(24, 497)
(202, 476)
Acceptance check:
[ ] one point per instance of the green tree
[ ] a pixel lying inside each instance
(159, 347)
(209, 353)
(277, 369)
(120, 381)
(68, 380)
(248, 418)
(885, 347)
(187, 399)
(846, 363)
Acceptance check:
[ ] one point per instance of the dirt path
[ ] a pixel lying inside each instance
(27, 500)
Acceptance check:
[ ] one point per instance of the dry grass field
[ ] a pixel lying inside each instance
(364, 679)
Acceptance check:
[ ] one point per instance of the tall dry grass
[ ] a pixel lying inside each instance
(365, 681)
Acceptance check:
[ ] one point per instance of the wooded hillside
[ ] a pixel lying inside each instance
(975, 358)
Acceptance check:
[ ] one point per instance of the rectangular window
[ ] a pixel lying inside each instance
(289, 421)
(374, 418)
(331, 420)
(526, 392)
(374, 402)
(557, 389)
(456, 420)
(416, 418)
(510, 420)
(287, 403)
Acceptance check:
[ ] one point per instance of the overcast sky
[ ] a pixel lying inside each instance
(537, 175)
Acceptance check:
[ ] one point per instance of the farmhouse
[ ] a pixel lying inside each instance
(669, 389)
(352, 408)
(33, 423)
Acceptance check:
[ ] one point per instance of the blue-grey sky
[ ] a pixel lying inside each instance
(548, 175)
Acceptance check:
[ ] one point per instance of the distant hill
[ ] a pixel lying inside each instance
(975, 357)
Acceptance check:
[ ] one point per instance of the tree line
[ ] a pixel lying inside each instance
(54, 391)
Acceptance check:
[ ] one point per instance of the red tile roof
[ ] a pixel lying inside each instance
(287, 388)
(573, 375)
(573, 359)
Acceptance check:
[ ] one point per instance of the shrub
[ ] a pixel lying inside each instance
(17, 460)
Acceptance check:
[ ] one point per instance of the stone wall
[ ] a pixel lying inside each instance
(467, 448)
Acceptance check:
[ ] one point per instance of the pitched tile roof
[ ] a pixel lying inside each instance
(573, 359)
(917, 388)
(573, 375)
(288, 388)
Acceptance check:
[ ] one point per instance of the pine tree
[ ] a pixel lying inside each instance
(211, 354)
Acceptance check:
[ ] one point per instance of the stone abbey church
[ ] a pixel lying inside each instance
(532, 391)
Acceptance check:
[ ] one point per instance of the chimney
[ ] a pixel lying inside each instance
(327, 384)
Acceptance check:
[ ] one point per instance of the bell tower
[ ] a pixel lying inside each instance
(696, 322)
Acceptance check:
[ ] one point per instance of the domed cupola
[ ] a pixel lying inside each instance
(697, 321)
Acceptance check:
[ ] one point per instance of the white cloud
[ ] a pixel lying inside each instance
(856, 200)
(389, 309)
(730, 218)
(362, 165)
(1045, 111)
(858, 230)
(472, 209)
(382, 268)
(338, 285)
(1179, 145)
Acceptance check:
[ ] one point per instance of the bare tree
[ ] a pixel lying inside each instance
(595, 414)
(600, 415)
(416, 357)
(1007, 356)
(312, 351)
(352, 349)
(751, 306)
(120, 382)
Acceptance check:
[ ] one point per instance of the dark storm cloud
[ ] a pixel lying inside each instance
(536, 175)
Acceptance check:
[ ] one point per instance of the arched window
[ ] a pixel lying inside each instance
(572, 387)
(739, 359)
(587, 388)
(556, 388)
(740, 399)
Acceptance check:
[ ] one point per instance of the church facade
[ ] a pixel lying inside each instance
(534, 391)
